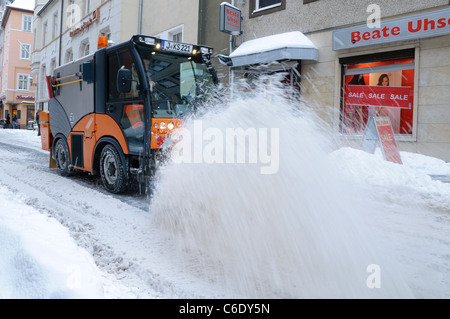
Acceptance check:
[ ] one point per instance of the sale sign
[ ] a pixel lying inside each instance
(385, 96)
(387, 140)
(379, 129)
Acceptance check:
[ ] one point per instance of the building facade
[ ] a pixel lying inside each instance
(409, 47)
(66, 30)
(16, 85)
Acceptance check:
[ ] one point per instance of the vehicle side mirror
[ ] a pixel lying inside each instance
(124, 79)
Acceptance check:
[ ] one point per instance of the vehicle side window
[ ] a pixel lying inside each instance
(116, 60)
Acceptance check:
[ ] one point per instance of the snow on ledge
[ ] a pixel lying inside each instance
(290, 45)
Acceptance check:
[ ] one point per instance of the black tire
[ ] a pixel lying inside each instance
(62, 157)
(112, 170)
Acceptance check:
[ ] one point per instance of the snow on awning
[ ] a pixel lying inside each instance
(291, 45)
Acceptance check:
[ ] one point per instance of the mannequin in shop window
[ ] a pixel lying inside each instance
(383, 80)
(393, 113)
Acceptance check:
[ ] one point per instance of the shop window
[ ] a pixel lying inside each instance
(382, 86)
(260, 7)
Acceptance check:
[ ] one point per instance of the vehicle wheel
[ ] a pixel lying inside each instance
(62, 158)
(112, 170)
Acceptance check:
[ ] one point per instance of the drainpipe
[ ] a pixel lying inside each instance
(60, 32)
(140, 17)
(231, 71)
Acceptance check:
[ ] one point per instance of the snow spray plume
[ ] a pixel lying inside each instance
(297, 233)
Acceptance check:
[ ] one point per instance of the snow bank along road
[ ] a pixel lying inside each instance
(118, 235)
(134, 258)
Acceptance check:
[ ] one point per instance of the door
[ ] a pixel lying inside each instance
(127, 109)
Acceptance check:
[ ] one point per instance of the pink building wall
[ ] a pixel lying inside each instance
(15, 100)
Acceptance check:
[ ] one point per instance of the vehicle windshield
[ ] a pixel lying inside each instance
(177, 82)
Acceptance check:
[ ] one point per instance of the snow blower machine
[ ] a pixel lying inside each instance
(110, 112)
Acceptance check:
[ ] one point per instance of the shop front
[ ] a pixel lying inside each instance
(378, 85)
(400, 70)
(19, 107)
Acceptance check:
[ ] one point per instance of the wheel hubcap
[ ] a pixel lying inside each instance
(61, 157)
(110, 168)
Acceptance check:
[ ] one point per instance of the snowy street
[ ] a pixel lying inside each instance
(69, 238)
(289, 150)
(73, 241)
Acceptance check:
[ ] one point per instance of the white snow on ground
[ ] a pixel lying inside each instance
(72, 241)
(39, 259)
(119, 237)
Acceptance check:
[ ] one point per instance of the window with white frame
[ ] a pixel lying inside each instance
(52, 66)
(174, 34)
(266, 4)
(25, 50)
(73, 14)
(27, 21)
(259, 7)
(177, 37)
(44, 33)
(23, 82)
(85, 48)
(106, 32)
(87, 7)
(55, 25)
(43, 87)
(69, 56)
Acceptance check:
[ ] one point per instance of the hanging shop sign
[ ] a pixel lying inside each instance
(230, 19)
(94, 16)
(419, 26)
(25, 97)
(379, 130)
(386, 96)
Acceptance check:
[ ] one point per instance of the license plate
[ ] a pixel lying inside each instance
(177, 47)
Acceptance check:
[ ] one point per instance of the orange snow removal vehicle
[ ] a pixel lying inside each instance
(111, 111)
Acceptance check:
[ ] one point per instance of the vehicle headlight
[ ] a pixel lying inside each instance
(170, 126)
(162, 125)
(155, 125)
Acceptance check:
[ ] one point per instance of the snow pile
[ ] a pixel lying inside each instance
(294, 39)
(38, 257)
(19, 138)
(313, 229)
(298, 233)
(413, 178)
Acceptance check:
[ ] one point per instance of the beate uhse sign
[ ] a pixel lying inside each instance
(418, 26)
(230, 19)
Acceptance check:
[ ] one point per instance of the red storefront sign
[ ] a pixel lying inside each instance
(379, 129)
(423, 25)
(385, 96)
(387, 140)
